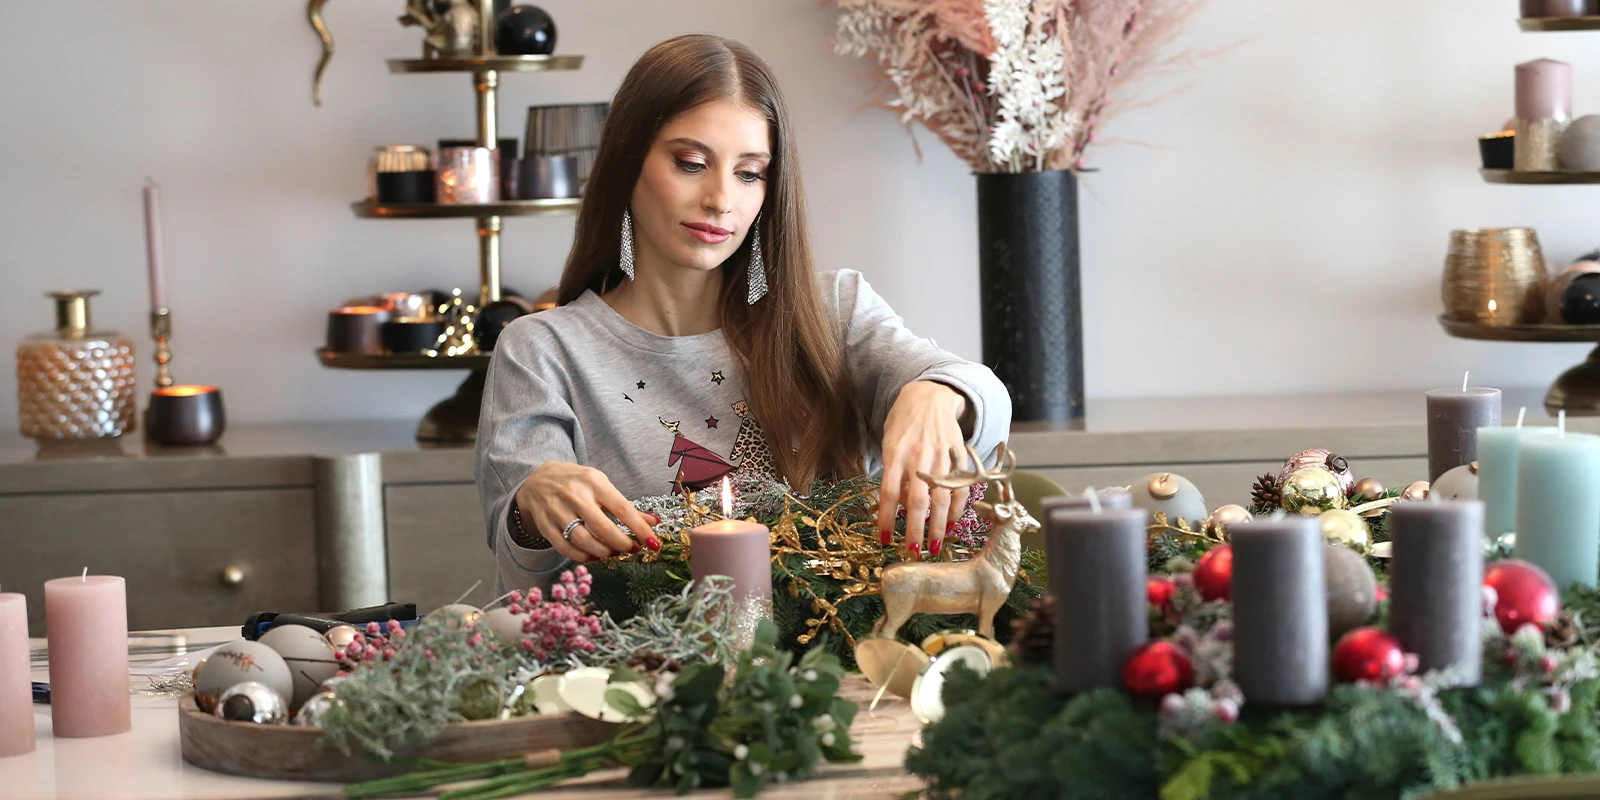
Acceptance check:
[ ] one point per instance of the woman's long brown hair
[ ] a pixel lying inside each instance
(790, 354)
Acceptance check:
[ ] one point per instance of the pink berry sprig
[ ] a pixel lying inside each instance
(557, 626)
(378, 641)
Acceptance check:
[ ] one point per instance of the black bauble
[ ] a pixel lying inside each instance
(494, 318)
(524, 31)
(1580, 303)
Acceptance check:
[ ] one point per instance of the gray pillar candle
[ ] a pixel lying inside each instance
(1436, 584)
(1280, 612)
(1109, 499)
(1454, 417)
(1097, 574)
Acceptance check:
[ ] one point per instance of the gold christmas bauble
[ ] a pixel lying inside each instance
(1366, 490)
(1311, 491)
(1416, 491)
(1228, 515)
(1343, 527)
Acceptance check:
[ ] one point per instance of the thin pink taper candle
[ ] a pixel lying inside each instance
(152, 244)
(16, 686)
(86, 621)
(739, 549)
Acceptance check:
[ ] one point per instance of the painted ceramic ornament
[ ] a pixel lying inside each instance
(310, 658)
(1171, 494)
(1458, 483)
(1311, 491)
(240, 662)
(1331, 462)
(1344, 527)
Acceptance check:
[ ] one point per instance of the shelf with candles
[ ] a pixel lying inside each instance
(558, 206)
(407, 361)
(1545, 178)
(484, 63)
(1556, 24)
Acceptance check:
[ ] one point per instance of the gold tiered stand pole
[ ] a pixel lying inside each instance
(487, 81)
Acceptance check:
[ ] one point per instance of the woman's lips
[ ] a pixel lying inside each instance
(710, 234)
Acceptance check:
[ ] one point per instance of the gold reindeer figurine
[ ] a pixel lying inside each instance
(978, 585)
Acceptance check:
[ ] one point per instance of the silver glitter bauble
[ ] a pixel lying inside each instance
(252, 702)
(312, 710)
(1318, 457)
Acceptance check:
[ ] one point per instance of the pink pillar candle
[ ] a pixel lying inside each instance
(1544, 90)
(86, 621)
(153, 248)
(738, 549)
(16, 687)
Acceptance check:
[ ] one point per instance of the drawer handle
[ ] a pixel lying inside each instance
(231, 575)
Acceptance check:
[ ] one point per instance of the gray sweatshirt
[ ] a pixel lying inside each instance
(581, 384)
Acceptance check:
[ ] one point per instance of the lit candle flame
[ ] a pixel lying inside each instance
(727, 497)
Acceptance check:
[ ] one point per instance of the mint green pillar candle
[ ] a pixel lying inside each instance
(1558, 506)
(1497, 476)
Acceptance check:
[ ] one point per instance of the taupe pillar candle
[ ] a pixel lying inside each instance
(1080, 501)
(1097, 573)
(1454, 417)
(1436, 584)
(1280, 611)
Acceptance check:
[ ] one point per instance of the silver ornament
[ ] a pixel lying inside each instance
(312, 710)
(1317, 457)
(252, 702)
(340, 636)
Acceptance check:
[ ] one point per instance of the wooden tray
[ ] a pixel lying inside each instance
(285, 752)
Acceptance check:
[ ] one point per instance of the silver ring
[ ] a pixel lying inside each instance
(566, 533)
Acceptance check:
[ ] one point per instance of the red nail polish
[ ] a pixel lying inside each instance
(885, 537)
(654, 520)
(933, 548)
(653, 543)
(949, 526)
(916, 548)
(635, 548)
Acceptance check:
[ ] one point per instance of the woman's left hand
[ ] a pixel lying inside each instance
(923, 425)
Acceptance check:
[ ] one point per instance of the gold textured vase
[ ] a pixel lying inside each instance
(75, 382)
(1494, 276)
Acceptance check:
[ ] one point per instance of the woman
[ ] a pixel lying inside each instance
(693, 325)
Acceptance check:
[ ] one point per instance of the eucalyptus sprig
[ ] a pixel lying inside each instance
(771, 722)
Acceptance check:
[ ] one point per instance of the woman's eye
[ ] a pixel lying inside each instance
(751, 177)
(690, 166)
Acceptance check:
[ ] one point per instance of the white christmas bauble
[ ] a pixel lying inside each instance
(1172, 494)
(461, 611)
(310, 658)
(1458, 483)
(506, 624)
(1580, 144)
(237, 662)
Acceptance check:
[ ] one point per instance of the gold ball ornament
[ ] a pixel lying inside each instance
(1367, 489)
(1415, 491)
(1344, 527)
(1311, 491)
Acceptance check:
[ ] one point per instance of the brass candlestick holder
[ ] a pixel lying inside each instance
(179, 416)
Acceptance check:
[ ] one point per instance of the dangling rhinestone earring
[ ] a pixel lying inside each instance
(758, 269)
(627, 244)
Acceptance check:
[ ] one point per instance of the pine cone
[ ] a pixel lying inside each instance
(1561, 632)
(1266, 493)
(652, 663)
(1034, 634)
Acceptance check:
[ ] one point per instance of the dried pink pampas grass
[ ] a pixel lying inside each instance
(1014, 85)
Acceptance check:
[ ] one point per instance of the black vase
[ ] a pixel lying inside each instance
(1029, 292)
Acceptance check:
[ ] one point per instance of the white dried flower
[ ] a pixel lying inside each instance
(740, 752)
(823, 723)
(827, 740)
(796, 701)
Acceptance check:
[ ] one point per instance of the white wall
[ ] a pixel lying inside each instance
(1285, 235)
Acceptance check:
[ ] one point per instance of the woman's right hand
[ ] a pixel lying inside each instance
(556, 493)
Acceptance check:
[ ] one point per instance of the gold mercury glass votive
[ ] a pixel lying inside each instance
(1494, 276)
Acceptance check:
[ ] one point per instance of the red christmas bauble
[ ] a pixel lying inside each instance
(1157, 670)
(1160, 591)
(1368, 655)
(1524, 594)
(1213, 576)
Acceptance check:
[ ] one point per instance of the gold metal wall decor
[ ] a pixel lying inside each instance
(980, 584)
(1494, 276)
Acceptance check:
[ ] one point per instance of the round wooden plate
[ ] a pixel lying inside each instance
(285, 752)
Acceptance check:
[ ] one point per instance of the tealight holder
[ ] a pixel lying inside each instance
(356, 329)
(185, 415)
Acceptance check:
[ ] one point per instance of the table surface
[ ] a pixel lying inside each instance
(147, 763)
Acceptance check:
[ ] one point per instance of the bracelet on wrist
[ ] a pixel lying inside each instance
(520, 535)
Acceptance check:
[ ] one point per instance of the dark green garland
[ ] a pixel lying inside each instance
(1010, 736)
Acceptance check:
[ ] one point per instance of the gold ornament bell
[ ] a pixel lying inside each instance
(1311, 491)
(1343, 527)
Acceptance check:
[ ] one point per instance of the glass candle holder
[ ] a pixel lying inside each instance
(466, 176)
(75, 382)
